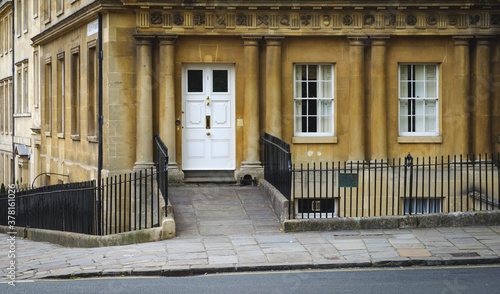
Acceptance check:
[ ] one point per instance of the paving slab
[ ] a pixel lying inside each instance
(233, 228)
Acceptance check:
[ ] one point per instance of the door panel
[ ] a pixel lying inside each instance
(208, 118)
(220, 114)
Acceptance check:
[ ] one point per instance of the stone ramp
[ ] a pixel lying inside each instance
(211, 210)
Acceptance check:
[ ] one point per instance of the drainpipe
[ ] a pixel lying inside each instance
(13, 167)
(99, 120)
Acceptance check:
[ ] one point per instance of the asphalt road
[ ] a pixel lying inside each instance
(470, 279)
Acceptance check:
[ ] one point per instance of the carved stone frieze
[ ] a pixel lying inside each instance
(474, 19)
(326, 20)
(432, 19)
(329, 20)
(199, 19)
(221, 19)
(241, 19)
(411, 20)
(495, 19)
(263, 20)
(368, 20)
(156, 18)
(305, 20)
(178, 19)
(285, 20)
(347, 20)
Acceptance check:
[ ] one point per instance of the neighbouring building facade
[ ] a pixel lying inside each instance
(338, 80)
(19, 93)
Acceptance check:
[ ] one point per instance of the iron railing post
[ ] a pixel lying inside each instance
(409, 164)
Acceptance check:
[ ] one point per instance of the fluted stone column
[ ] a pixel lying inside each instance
(167, 118)
(378, 118)
(357, 98)
(144, 106)
(461, 109)
(483, 103)
(273, 86)
(251, 102)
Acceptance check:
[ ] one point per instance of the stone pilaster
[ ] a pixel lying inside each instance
(167, 118)
(378, 117)
(357, 98)
(144, 104)
(460, 108)
(273, 86)
(483, 101)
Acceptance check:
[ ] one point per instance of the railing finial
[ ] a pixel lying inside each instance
(409, 160)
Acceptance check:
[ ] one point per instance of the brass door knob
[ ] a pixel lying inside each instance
(208, 133)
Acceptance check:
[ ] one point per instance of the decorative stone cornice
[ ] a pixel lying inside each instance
(167, 39)
(357, 40)
(144, 40)
(462, 40)
(379, 40)
(82, 16)
(484, 40)
(250, 40)
(273, 40)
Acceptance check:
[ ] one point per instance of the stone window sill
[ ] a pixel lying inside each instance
(314, 140)
(420, 140)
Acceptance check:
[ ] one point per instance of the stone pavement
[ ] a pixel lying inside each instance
(232, 228)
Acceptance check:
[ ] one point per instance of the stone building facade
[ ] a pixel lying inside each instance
(338, 80)
(19, 96)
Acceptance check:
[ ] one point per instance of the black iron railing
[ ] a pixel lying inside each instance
(130, 202)
(277, 164)
(127, 202)
(398, 187)
(64, 207)
(161, 160)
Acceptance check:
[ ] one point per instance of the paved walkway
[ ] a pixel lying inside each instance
(232, 228)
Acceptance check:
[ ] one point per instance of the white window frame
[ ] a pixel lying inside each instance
(325, 111)
(416, 97)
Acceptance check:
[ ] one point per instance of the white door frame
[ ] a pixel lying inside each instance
(208, 119)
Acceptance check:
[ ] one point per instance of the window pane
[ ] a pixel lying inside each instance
(195, 81)
(298, 115)
(326, 119)
(419, 72)
(326, 90)
(220, 81)
(430, 88)
(312, 89)
(419, 89)
(312, 72)
(403, 89)
(430, 116)
(430, 72)
(302, 75)
(312, 112)
(403, 116)
(303, 93)
(326, 72)
(403, 72)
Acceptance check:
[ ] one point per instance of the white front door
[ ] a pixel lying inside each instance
(208, 137)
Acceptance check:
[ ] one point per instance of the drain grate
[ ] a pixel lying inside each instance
(465, 254)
